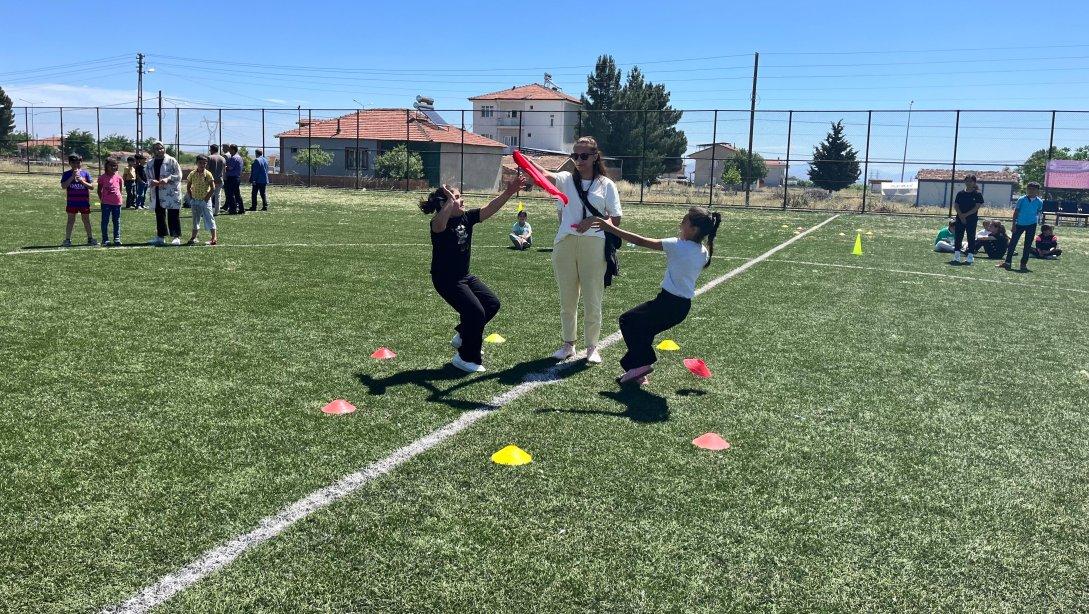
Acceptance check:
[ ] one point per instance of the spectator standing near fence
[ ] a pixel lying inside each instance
(259, 180)
(232, 181)
(1025, 216)
(216, 164)
(967, 204)
(165, 175)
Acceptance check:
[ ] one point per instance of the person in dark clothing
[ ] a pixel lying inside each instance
(1047, 244)
(451, 246)
(259, 180)
(994, 242)
(232, 179)
(967, 205)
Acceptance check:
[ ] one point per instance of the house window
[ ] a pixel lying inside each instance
(512, 114)
(294, 150)
(357, 159)
(530, 107)
(551, 121)
(487, 111)
(529, 136)
(512, 141)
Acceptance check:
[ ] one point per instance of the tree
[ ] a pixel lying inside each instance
(399, 163)
(313, 157)
(7, 124)
(634, 121)
(739, 164)
(731, 177)
(10, 144)
(80, 142)
(835, 163)
(116, 142)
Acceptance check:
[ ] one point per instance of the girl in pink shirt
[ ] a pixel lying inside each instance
(110, 192)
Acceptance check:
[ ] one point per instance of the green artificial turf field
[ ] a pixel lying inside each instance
(906, 435)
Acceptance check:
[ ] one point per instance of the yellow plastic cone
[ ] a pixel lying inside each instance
(512, 455)
(857, 251)
(668, 345)
(494, 338)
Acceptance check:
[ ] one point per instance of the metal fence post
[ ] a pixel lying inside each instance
(309, 147)
(358, 158)
(461, 158)
(643, 158)
(579, 135)
(521, 115)
(177, 132)
(60, 112)
(262, 131)
(219, 124)
(408, 139)
(1050, 147)
(786, 171)
(98, 140)
(711, 172)
(953, 173)
(866, 165)
(26, 125)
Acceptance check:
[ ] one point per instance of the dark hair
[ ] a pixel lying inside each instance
(706, 222)
(523, 212)
(202, 158)
(258, 152)
(74, 157)
(999, 229)
(599, 164)
(433, 202)
(130, 159)
(213, 148)
(1033, 184)
(1047, 227)
(971, 178)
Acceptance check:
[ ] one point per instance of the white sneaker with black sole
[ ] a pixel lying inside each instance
(465, 365)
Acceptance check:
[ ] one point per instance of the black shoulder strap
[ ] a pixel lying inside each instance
(582, 195)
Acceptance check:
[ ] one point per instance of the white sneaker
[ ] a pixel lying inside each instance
(464, 365)
(106, 244)
(176, 241)
(565, 352)
(456, 341)
(956, 256)
(593, 356)
(157, 241)
(971, 258)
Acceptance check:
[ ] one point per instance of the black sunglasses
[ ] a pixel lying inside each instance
(582, 156)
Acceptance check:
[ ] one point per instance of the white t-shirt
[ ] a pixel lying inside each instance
(684, 261)
(602, 194)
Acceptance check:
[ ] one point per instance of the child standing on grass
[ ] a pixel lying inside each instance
(1047, 244)
(201, 184)
(77, 183)
(521, 234)
(451, 244)
(109, 195)
(1025, 216)
(686, 256)
(141, 180)
(130, 182)
(968, 202)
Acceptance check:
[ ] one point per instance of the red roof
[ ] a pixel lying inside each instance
(940, 174)
(53, 141)
(387, 125)
(532, 91)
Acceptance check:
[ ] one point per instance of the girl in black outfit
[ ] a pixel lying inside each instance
(451, 244)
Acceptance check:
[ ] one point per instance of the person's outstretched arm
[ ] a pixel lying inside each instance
(630, 237)
(518, 183)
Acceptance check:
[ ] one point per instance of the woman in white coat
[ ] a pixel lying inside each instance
(164, 195)
(578, 258)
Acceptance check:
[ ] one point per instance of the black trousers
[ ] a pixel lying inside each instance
(231, 186)
(258, 188)
(969, 226)
(130, 194)
(476, 304)
(641, 324)
(167, 220)
(1030, 234)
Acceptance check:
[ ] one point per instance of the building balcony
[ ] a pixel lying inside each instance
(507, 121)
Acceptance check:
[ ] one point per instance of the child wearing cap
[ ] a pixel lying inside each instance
(77, 183)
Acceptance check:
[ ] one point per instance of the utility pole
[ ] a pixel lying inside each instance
(752, 122)
(139, 97)
(160, 115)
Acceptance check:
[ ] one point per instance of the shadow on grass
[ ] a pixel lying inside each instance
(640, 406)
(541, 369)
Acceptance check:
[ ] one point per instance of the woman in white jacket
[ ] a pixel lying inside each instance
(164, 194)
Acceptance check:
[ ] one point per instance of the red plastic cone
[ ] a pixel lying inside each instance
(697, 367)
(711, 441)
(383, 354)
(338, 407)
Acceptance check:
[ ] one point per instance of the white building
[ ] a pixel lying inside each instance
(717, 153)
(531, 116)
(936, 186)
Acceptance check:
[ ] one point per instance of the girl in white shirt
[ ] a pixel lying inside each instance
(578, 256)
(686, 256)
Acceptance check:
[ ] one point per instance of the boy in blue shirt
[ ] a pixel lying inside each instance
(1025, 216)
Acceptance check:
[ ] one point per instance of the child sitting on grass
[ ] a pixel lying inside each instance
(1047, 244)
(993, 240)
(77, 184)
(944, 243)
(521, 234)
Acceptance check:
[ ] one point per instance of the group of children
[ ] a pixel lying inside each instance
(78, 184)
(993, 239)
(451, 239)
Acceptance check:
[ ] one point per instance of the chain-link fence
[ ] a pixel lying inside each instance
(904, 161)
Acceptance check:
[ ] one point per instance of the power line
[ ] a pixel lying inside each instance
(59, 66)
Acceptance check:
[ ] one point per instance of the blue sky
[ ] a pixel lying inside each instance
(833, 55)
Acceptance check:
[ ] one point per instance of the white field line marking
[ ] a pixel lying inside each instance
(929, 274)
(219, 557)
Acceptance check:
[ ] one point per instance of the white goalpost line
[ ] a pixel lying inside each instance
(224, 554)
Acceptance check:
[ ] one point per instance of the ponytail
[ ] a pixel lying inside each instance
(433, 202)
(707, 223)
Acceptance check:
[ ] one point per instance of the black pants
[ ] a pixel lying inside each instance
(1030, 234)
(167, 219)
(968, 226)
(476, 304)
(234, 194)
(641, 324)
(258, 188)
(130, 194)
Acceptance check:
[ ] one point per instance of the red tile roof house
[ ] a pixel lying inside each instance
(534, 116)
(998, 187)
(355, 140)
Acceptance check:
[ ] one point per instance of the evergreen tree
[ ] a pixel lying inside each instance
(835, 163)
(7, 124)
(602, 95)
